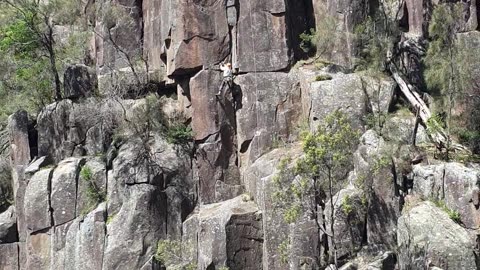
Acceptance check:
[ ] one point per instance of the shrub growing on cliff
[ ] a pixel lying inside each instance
(172, 254)
(304, 188)
(6, 189)
(95, 194)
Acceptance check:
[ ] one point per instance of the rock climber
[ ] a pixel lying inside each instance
(227, 77)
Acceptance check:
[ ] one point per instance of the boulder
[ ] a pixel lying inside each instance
(67, 129)
(162, 166)
(453, 183)
(227, 234)
(80, 244)
(400, 128)
(64, 190)
(427, 236)
(38, 215)
(134, 230)
(349, 221)
(9, 256)
(8, 226)
(79, 81)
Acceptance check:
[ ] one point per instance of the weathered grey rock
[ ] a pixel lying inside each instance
(38, 250)
(8, 226)
(349, 220)
(9, 256)
(118, 26)
(227, 234)
(348, 266)
(66, 127)
(387, 261)
(374, 170)
(134, 230)
(426, 233)
(269, 113)
(355, 95)
(19, 143)
(79, 244)
(37, 201)
(36, 165)
(303, 235)
(79, 81)
(96, 181)
(64, 190)
(453, 183)
(400, 129)
(19, 158)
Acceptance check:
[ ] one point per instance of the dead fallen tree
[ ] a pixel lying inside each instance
(435, 131)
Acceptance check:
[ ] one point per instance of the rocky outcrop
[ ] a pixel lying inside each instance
(8, 226)
(38, 215)
(353, 94)
(453, 183)
(374, 171)
(227, 234)
(9, 256)
(428, 237)
(349, 221)
(79, 81)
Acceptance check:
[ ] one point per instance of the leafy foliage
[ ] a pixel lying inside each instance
(95, 194)
(300, 188)
(171, 254)
(323, 39)
(452, 214)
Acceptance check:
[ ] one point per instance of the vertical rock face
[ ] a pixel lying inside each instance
(9, 256)
(119, 24)
(227, 234)
(214, 126)
(262, 33)
(269, 110)
(37, 201)
(8, 226)
(19, 159)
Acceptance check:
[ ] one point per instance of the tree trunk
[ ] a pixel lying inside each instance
(439, 136)
(332, 216)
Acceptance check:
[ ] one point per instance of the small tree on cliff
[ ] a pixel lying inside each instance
(448, 63)
(30, 34)
(327, 155)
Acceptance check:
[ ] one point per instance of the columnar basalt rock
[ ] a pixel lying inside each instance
(226, 234)
(214, 126)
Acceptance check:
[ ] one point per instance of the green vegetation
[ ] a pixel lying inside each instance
(95, 194)
(283, 249)
(6, 188)
(449, 76)
(323, 77)
(31, 60)
(453, 214)
(179, 133)
(347, 206)
(327, 154)
(170, 253)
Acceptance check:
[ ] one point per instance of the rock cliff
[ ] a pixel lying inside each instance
(98, 182)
